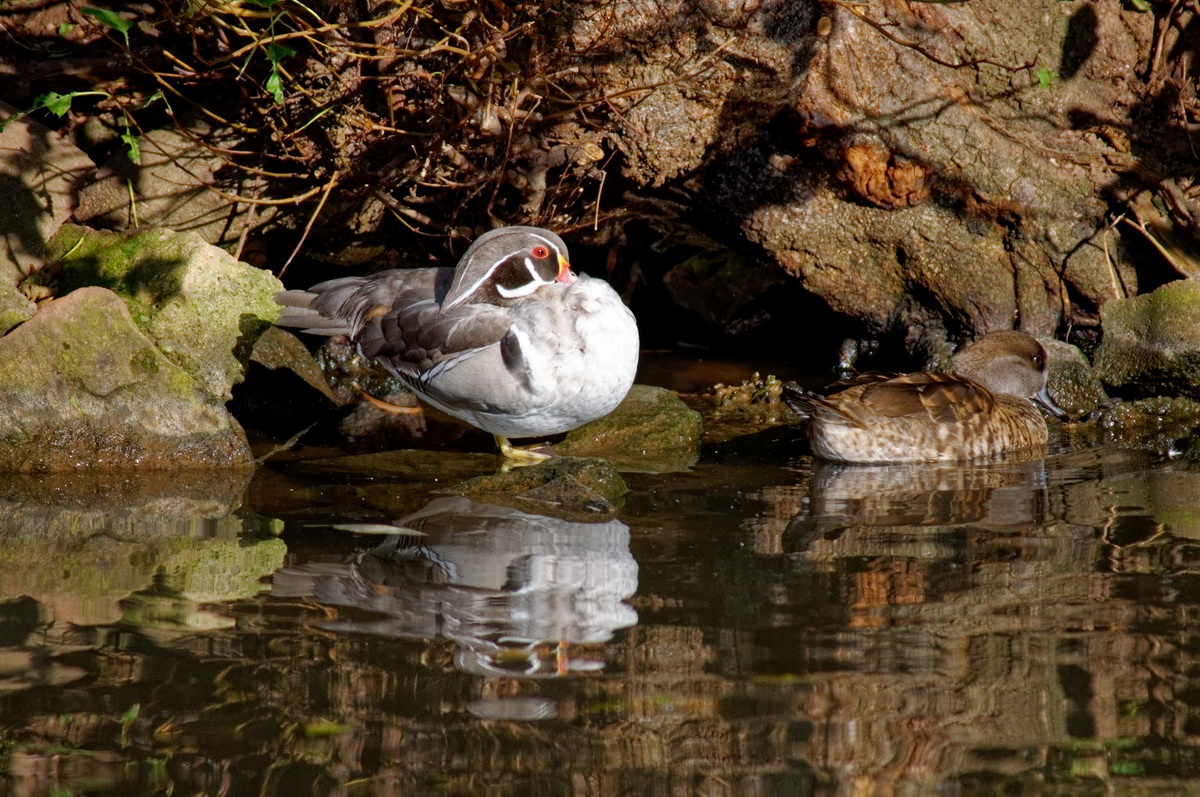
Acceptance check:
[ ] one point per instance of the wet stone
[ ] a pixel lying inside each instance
(651, 431)
(570, 487)
(1072, 381)
(1163, 424)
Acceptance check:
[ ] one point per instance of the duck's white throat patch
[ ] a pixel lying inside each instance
(534, 283)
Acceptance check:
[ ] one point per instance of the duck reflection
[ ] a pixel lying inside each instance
(513, 590)
(995, 496)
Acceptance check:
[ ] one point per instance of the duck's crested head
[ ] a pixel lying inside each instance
(507, 264)
(1008, 362)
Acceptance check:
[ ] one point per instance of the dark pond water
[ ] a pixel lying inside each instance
(758, 625)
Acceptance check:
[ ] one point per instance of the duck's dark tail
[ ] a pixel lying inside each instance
(799, 400)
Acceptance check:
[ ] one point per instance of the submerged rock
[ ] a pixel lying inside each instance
(1151, 343)
(202, 308)
(82, 386)
(652, 430)
(567, 486)
(1163, 424)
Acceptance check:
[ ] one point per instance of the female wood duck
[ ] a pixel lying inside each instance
(986, 408)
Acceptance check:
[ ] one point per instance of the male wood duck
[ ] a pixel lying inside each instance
(510, 340)
(985, 409)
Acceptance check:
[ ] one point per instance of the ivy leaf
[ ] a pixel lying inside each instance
(112, 19)
(1046, 77)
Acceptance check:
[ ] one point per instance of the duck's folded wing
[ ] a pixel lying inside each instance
(943, 398)
(344, 306)
(422, 338)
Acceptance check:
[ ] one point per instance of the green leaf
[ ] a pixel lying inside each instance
(132, 148)
(1140, 5)
(65, 28)
(1046, 77)
(263, 3)
(57, 104)
(275, 86)
(110, 18)
(277, 52)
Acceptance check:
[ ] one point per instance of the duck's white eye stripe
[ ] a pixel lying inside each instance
(468, 292)
(533, 275)
(520, 290)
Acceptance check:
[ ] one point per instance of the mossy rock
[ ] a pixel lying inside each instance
(1073, 383)
(202, 308)
(1151, 343)
(15, 308)
(81, 386)
(651, 431)
(567, 487)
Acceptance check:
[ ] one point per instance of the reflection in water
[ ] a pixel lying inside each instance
(93, 548)
(800, 629)
(991, 622)
(513, 590)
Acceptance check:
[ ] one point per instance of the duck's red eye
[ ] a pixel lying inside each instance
(541, 252)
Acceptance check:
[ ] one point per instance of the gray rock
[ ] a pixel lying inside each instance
(81, 386)
(1151, 343)
(652, 431)
(171, 189)
(202, 308)
(277, 348)
(38, 173)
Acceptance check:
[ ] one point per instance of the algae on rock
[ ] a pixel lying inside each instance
(81, 386)
(202, 308)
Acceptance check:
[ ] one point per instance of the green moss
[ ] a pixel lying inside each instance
(199, 305)
(652, 430)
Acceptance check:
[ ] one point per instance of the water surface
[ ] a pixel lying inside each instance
(759, 625)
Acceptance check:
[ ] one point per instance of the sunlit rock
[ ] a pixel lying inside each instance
(81, 386)
(171, 186)
(15, 308)
(202, 308)
(39, 171)
(652, 430)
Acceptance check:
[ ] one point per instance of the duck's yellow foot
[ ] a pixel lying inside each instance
(519, 455)
(388, 406)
